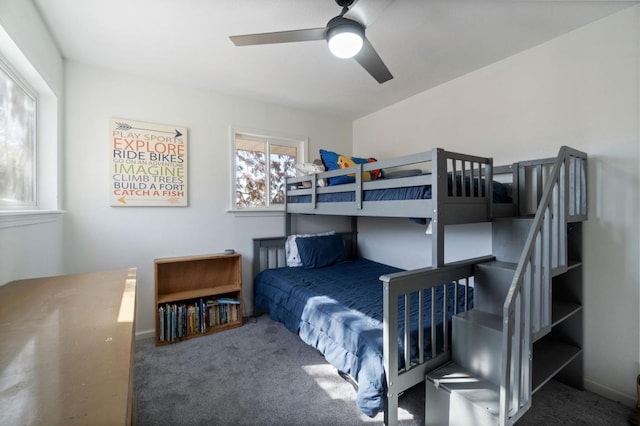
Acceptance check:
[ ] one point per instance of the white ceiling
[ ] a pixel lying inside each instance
(423, 43)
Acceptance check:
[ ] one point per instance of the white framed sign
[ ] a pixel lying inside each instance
(148, 164)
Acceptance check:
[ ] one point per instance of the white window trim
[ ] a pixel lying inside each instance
(12, 218)
(303, 149)
(47, 190)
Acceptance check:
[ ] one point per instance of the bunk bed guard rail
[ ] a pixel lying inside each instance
(438, 167)
(460, 188)
(415, 283)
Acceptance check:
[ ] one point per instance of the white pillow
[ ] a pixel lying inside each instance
(291, 248)
(311, 169)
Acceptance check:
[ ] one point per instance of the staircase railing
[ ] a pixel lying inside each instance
(527, 307)
(420, 283)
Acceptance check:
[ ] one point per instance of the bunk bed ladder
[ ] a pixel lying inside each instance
(490, 377)
(527, 308)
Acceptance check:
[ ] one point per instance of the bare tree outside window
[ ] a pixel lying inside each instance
(250, 179)
(17, 143)
(257, 183)
(283, 165)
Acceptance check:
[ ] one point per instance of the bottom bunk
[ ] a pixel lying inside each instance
(339, 309)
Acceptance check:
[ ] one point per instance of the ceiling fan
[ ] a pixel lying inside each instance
(344, 36)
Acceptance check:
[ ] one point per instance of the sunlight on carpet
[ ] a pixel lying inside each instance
(329, 381)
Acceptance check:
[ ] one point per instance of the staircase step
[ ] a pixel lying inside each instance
(492, 281)
(481, 318)
(455, 396)
(499, 265)
(477, 343)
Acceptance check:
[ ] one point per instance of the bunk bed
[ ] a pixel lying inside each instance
(381, 326)
(437, 187)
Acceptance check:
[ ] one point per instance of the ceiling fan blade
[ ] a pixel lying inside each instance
(367, 11)
(309, 34)
(370, 61)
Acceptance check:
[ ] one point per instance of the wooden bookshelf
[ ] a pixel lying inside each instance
(203, 294)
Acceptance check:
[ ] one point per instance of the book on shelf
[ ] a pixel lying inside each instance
(197, 316)
(174, 321)
(161, 323)
(203, 325)
(168, 322)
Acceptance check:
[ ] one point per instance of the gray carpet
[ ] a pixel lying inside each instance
(262, 374)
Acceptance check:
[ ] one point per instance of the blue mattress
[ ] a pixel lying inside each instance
(423, 192)
(338, 310)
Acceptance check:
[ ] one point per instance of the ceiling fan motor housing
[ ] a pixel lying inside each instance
(340, 23)
(344, 3)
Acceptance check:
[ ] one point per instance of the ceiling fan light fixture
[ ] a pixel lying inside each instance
(345, 40)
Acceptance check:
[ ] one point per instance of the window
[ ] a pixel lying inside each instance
(17, 142)
(262, 165)
(29, 132)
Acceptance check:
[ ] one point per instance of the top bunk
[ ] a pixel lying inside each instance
(453, 187)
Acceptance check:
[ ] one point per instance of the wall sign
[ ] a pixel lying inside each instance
(148, 164)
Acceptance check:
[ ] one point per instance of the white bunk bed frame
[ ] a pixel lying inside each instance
(442, 209)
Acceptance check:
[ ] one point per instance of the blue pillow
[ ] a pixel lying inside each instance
(335, 161)
(321, 250)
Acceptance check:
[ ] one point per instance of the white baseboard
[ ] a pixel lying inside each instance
(146, 334)
(624, 399)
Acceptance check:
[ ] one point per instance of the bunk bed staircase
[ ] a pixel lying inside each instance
(526, 324)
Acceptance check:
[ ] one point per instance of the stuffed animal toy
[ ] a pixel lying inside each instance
(334, 161)
(345, 162)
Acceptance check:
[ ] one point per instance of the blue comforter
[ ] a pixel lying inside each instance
(338, 310)
(500, 193)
